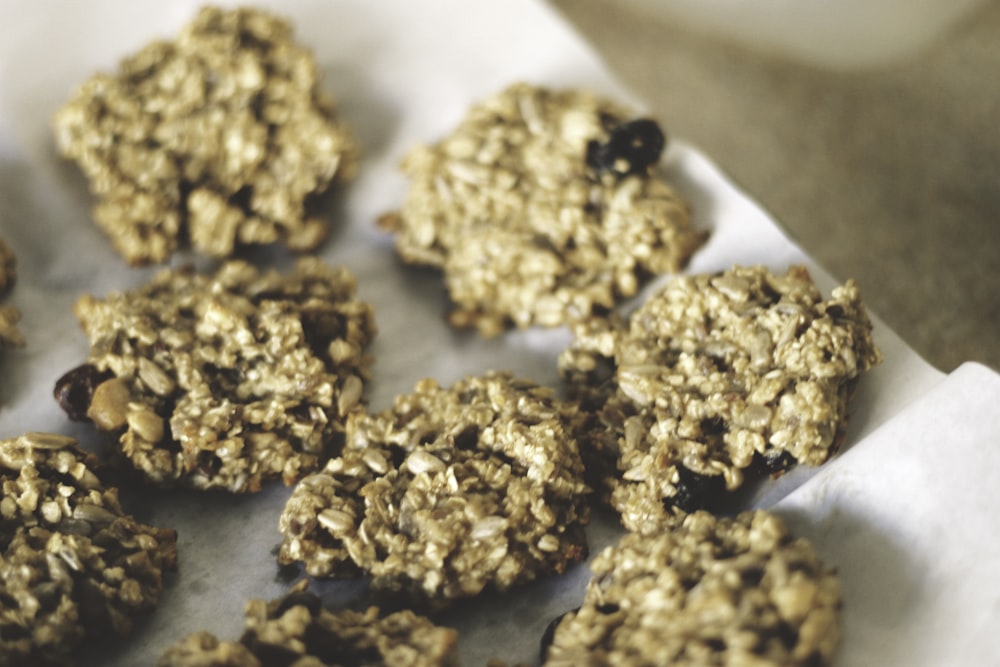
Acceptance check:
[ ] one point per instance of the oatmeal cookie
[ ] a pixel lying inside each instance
(73, 565)
(448, 492)
(221, 136)
(708, 591)
(713, 377)
(224, 380)
(296, 631)
(542, 206)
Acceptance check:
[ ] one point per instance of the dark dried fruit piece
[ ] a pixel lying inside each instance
(75, 389)
(706, 591)
(734, 375)
(525, 211)
(632, 148)
(696, 491)
(226, 379)
(777, 463)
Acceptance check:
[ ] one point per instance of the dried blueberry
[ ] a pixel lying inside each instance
(632, 148)
(696, 491)
(75, 389)
(778, 462)
(774, 463)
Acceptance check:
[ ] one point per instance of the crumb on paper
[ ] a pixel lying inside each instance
(541, 207)
(222, 136)
(714, 377)
(225, 380)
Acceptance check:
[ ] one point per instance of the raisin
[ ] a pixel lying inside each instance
(632, 148)
(774, 463)
(696, 491)
(273, 655)
(713, 426)
(786, 634)
(75, 389)
(752, 576)
(468, 438)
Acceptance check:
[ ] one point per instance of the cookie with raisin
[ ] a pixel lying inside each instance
(714, 378)
(542, 206)
(706, 591)
(224, 380)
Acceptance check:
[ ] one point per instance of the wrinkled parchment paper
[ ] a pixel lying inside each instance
(905, 513)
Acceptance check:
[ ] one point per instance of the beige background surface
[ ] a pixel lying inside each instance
(888, 175)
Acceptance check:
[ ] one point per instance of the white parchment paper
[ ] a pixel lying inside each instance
(406, 72)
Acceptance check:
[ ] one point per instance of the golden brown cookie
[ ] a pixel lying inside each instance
(447, 493)
(708, 591)
(715, 376)
(224, 380)
(540, 207)
(221, 137)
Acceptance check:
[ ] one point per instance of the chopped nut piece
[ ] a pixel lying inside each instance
(447, 493)
(109, 404)
(222, 136)
(713, 377)
(707, 591)
(73, 565)
(224, 380)
(541, 207)
(296, 631)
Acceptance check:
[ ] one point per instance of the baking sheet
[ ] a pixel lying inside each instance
(403, 72)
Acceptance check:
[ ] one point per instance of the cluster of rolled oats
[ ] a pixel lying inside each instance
(222, 137)
(296, 631)
(9, 315)
(72, 563)
(447, 493)
(713, 374)
(225, 380)
(709, 591)
(542, 206)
